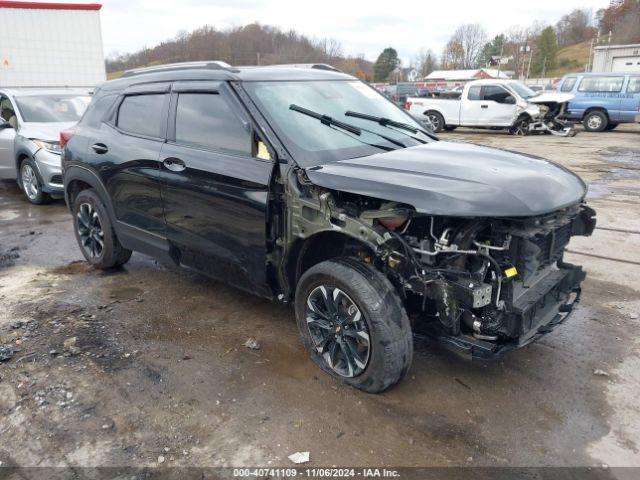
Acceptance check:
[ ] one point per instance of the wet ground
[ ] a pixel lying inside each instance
(158, 374)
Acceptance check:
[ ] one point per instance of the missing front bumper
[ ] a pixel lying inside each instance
(535, 314)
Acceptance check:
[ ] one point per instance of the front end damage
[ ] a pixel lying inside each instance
(483, 286)
(553, 115)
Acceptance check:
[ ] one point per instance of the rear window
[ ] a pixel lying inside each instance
(143, 115)
(568, 84)
(634, 85)
(474, 93)
(601, 84)
(206, 120)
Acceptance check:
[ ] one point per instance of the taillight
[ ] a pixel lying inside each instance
(65, 136)
(407, 105)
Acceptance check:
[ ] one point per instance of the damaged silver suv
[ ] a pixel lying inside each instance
(305, 185)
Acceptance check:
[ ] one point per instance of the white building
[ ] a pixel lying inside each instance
(616, 58)
(50, 45)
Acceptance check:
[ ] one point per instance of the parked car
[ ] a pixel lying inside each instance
(602, 101)
(30, 123)
(490, 103)
(308, 186)
(399, 93)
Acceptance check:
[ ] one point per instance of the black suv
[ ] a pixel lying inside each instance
(307, 185)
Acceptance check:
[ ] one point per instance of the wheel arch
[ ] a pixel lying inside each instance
(319, 247)
(77, 179)
(596, 109)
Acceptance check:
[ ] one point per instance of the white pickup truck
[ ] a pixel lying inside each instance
(503, 104)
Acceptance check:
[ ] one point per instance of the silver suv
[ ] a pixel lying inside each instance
(31, 120)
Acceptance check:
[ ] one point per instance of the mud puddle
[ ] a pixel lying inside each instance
(624, 166)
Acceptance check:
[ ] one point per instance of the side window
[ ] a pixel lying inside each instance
(97, 110)
(495, 93)
(568, 84)
(601, 84)
(7, 112)
(474, 93)
(634, 85)
(142, 114)
(207, 120)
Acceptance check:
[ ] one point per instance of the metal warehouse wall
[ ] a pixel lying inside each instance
(46, 47)
(617, 58)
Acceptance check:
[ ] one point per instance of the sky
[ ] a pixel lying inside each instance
(361, 27)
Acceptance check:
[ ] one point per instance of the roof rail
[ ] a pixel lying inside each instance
(206, 64)
(316, 66)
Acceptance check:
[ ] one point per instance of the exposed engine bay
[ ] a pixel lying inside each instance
(553, 114)
(481, 285)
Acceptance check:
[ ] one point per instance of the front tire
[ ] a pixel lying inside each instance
(595, 121)
(521, 127)
(94, 232)
(353, 324)
(31, 183)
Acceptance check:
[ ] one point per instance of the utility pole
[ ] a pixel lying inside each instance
(258, 58)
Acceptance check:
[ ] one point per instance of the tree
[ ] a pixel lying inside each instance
(469, 40)
(386, 63)
(453, 55)
(426, 62)
(493, 48)
(575, 27)
(546, 50)
(621, 18)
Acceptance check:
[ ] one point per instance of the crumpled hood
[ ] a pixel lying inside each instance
(551, 97)
(456, 179)
(49, 132)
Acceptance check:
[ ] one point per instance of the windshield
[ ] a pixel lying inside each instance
(52, 108)
(522, 90)
(313, 143)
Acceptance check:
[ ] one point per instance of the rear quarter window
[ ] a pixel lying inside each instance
(97, 110)
(143, 114)
(601, 84)
(634, 85)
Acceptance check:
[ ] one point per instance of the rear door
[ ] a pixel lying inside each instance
(214, 186)
(125, 151)
(471, 107)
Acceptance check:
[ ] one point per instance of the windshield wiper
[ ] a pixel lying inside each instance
(387, 122)
(332, 122)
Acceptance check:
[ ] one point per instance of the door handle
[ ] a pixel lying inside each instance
(484, 106)
(174, 164)
(100, 148)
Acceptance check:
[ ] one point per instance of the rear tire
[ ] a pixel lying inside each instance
(595, 121)
(436, 120)
(367, 341)
(31, 183)
(94, 232)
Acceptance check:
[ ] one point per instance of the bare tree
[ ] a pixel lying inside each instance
(425, 62)
(453, 55)
(472, 38)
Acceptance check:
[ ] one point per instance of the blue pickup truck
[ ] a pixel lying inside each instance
(603, 100)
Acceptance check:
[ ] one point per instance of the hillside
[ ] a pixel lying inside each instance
(572, 58)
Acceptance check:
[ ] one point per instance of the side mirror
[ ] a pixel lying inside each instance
(4, 124)
(510, 100)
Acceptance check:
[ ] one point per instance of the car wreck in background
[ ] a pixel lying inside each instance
(496, 104)
(321, 192)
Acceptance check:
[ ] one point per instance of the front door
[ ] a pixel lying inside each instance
(498, 106)
(7, 134)
(214, 187)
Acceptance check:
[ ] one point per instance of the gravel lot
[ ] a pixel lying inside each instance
(158, 374)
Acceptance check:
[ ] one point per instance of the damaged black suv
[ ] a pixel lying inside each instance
(307, 185)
